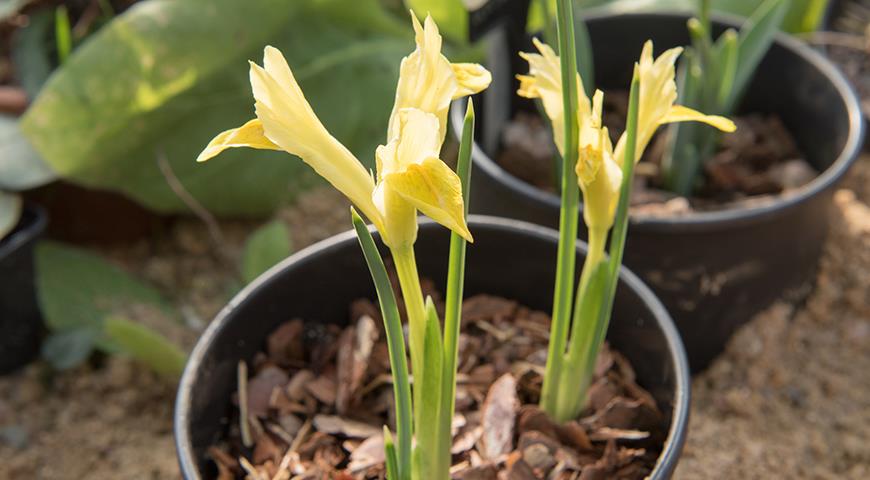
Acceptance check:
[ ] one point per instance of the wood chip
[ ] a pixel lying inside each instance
(296, 386)
(334, 424)
(260, 389)
(368, 454)
(572, 434)
(323, 389)
(499, 413)
(606, 433)
(285, 345)
(355, 350)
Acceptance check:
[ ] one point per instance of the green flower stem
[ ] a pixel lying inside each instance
(620, 226)
(575, 376)
(594, 302)
(569, 213)
(412, 293)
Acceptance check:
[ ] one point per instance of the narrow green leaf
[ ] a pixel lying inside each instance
(69, 348)
(428, 430)
(728, 61)
(682, 160)
(756, 36)
(454, 292)
(62, 34)
(569, 212)
(395, 344)
(265, 247)
(146, 346)
(10, 212)
(392, 460)
(620, 224)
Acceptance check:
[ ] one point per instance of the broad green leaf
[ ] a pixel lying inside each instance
(450, 15)
(78, 289)
(30, 52)
(10, 212)
(69, 348)
(167, 76)
(21, 167)
(146, 346)
(265, 247)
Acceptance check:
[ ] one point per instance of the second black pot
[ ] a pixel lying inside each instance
(712, 270)
(512, 259)
(20, 320)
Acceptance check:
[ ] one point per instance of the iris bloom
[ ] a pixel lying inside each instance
(410, 175)
(598, 169)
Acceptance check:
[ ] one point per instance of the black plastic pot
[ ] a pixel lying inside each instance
(509, 258)
(20, 319)
(712, 270)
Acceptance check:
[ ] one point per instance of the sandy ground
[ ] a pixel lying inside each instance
(790, 398)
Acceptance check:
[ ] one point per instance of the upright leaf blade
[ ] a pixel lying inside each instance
(454, 292)
(395, 345)
(754, 41)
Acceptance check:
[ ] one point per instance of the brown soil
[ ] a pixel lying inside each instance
(788, 399)
(753, 165)
(319, 396)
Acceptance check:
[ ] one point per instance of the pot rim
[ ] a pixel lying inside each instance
(677, 430)
(30, 226)
(720, 219)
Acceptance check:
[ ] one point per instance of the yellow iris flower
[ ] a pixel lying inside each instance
(410, 175)
(598, 164)
(658, 92)
(429, 82)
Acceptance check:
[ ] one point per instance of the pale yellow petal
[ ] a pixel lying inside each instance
(434, 189)
(658, 92)
(471, 77)
(248, 135)
(679, 113)
(416, 139)
(544, 81)
(289, 122)
(426, 79)
(400, 217)
(598, 174)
